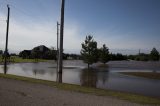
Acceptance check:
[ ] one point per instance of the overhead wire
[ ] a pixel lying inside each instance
(14, 8)
(25, 14)
(42, 5)
(28, 15)
(31, 16)
(3, 20)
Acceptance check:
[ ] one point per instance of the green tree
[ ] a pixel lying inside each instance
(104, 54)
(154, 55)
(1, 52)
(89, 50)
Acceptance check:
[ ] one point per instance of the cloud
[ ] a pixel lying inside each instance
(125, 40)
(24, 35)
(28, 35)
(72, 38)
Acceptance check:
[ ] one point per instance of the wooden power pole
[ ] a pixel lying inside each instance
(60, 62)
(6, 46)
(57, 44)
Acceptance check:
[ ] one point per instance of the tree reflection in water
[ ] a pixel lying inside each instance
(5, 69)
(38, 71)
(103, 75)
(59, 77)
(88, 77)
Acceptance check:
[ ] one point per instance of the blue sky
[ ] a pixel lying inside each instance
(125, 26)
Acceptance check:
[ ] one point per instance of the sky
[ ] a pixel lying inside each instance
(125, 26)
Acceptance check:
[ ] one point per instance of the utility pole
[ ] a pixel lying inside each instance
(139, 51)
(61, 38)
(6, 46)
(57, 43)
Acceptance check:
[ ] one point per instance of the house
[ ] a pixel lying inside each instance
(39, 52)
(40, 48)
(25, 54)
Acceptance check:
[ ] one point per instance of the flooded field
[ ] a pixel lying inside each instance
(75, 72)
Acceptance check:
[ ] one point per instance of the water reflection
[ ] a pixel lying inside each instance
(59, 77)
(91, 77)
(5, 69)
(38, 71)
(88, 77)
(154, 71)
(101, 77)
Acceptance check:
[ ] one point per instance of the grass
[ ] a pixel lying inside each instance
(100, 92)
(19, 60)
(15, 59)
(102, 65)
(151, 75)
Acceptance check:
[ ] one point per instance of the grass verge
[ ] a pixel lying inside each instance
(150, 75)
(100, 92)
(16, 59)
(20, 60)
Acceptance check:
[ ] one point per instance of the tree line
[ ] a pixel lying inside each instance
(153, 56)
(91, 54)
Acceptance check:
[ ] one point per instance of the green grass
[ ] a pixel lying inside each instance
(19, 60)
(151, 75)
(100, 92)
(15, 59)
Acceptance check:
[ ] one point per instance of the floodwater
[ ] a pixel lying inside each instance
(75, 72)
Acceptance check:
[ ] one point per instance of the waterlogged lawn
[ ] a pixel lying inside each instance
(151, 75)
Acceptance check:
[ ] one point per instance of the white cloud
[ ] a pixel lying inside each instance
(26, 36)
(72, 38)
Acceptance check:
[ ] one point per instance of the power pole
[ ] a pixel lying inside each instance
(61, 38)
(139, 51)
(6, 46)
(57, 43)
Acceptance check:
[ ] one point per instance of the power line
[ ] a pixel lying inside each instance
(17, 9)
(3, 20)
(26, 14)
(4, 2)
(30, 14)
(21, 11)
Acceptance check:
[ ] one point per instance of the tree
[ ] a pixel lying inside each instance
(104, 54)
(36, 55)
(51, 54)
(154, 55)
(89, 50)
(1, 52)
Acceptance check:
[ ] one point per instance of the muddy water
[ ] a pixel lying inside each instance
(74, 72)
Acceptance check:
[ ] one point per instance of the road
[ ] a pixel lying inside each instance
(20, 93)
